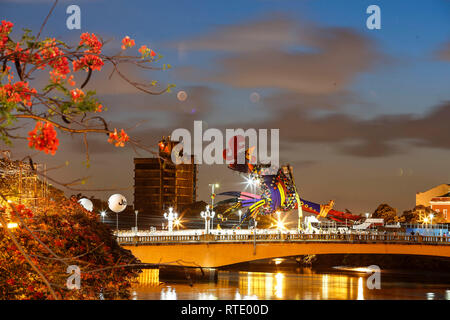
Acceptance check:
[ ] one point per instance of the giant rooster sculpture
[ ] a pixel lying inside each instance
(278, 193)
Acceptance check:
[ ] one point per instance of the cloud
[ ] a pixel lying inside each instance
(278, 52)
(288, 100)
(444, 52)
(147, 118)
(268, 33)
(141, 106)
(383, 135)
(106, 82)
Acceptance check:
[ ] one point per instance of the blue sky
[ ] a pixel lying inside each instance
(396, 72)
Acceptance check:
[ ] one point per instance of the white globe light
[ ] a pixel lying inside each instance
(117, 203)
(182, 95)
(87, 204)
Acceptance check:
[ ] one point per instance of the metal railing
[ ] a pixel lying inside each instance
(283, 237)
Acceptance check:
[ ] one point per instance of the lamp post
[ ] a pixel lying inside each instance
(136, 227)
(213, 195)
(103, 215)
(207, 215)
(117, 203)
(170, 217)
(117, 223)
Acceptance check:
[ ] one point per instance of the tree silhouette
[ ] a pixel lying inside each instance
(386, 212)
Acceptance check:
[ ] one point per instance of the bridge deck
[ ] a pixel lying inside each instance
(220, 250)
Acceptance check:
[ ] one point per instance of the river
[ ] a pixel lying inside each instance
(300, 284)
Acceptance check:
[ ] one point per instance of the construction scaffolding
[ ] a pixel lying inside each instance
(20, 182)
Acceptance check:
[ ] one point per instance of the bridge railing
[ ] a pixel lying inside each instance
(284, 237)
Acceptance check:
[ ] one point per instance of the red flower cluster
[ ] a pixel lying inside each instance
(146, 52)
(21, 210)
(73, 234)
(71, 81)
(43, 138)
(89, 60)
(5, 29)
(77, 95)
(19, 53)
(56, 59)
(127, 43)
(17, 92)
(118, 139)
(92, 42)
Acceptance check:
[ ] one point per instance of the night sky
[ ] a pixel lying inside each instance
(363, 114)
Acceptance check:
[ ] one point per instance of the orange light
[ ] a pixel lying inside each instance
(12, 225)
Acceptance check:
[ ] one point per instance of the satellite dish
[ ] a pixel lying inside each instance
(87, 204)
(117, 203)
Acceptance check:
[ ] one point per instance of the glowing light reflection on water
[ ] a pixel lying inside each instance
(305, 285)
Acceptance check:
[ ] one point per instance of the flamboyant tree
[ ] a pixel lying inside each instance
(50, 238)
(62, 104)
(34, 255)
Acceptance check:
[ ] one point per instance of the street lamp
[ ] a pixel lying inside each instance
(136, 212)
(213, 195)
(103, 215)
(170, 217)
(207, 215)
(12, 225)
(431, 217)
(177, 223)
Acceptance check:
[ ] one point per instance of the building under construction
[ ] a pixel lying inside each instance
(20, 182)
(159, 184)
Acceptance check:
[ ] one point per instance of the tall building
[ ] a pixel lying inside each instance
(159, 183)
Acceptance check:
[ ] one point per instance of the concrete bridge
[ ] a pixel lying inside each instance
(214, 250)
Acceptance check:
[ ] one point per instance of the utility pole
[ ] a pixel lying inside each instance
(213, 195)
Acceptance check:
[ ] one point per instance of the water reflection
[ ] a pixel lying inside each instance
(169, 293)
(148, 277)
(325, 286)
(238, 296)
(279, 285)
(360, 289)
(305, 285)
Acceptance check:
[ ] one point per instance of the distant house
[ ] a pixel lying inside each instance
(442, 204)
(437, 198)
